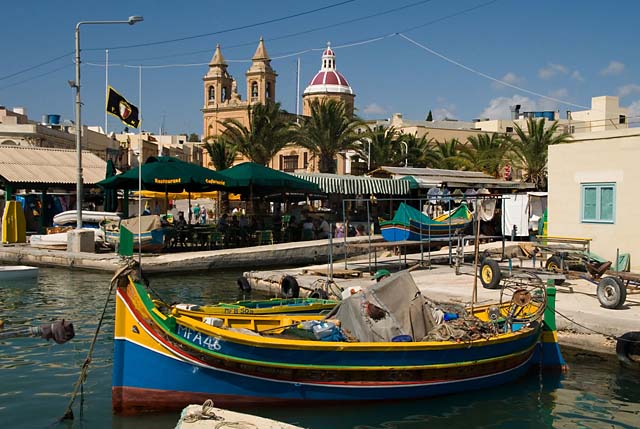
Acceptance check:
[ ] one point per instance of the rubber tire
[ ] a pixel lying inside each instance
(490, 268)
(615, 285)
(319, 294)
(289, 287)
(554, 263)
(627, 345)
(243, 284)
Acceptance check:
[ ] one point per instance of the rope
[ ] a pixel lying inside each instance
(611, 337)
(68, 414)
(207, 413)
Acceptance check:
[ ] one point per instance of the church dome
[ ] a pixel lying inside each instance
(328, 80)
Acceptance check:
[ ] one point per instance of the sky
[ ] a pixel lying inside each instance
(404, 56)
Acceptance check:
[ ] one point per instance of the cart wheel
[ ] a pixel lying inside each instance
(554, 263)
(490, 274)
(611, 292)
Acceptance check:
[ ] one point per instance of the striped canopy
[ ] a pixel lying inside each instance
(356, 185)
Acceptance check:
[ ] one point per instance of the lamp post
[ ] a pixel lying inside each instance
(406, 153)
(76, 84)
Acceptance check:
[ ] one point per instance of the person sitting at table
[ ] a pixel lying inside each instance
(223, 224)
(307, 229)
(181, 222)
(323, 230)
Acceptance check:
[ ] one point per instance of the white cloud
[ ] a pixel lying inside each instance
(447, 112)
(511, 78)
(552, 70)
(374, 109)
(634, 109)
(575, 75)
(614, 68)
(498, 108)
(629, 89)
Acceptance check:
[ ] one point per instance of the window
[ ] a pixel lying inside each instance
(598, 202)
(623, 119)
(254, 91)
(290, 163)
(223, 96)
(268, 91)
(212, 93)
(305, 160)
(509, 129)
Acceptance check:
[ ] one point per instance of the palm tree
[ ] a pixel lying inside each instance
(328, 131)
(447, 155)
(385, 147)
(419, 149)
(486, 153)
(532, 147)
(221, 152)
(269, 131)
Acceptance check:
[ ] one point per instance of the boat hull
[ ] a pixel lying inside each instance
(158, 367)
(17, 272)
(392, 231)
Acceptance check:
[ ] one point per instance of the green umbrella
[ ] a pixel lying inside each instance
(168, 174)
(263, 180)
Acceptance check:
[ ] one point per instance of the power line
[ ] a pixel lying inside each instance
(486, 76)
(227, 30)
(35, 77)
(35, 67)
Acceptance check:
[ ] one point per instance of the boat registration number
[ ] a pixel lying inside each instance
(199, 339)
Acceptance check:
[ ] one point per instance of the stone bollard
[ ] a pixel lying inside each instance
(81, 241)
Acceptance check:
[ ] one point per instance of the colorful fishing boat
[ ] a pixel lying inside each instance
(411, 224)
(166, 360)
(267, 306)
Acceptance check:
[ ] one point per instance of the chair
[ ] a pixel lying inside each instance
(307, 234)
(216, 239)
(264, 237)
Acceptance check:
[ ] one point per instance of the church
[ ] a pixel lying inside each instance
(222, 101)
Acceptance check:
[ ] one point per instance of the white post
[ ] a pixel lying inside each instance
(369, 156)
(78, 133)
(106, 90)
(406, 153)
(140, 166)
(298, 90)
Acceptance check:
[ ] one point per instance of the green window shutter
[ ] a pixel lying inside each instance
(606, 203)
(589, 203)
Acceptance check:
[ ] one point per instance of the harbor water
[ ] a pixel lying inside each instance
(37, 377)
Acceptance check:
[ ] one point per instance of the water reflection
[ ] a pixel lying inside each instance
(36, 375)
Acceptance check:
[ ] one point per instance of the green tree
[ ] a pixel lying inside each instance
(429, 116)
(419, 149)
(269, 131)
(328, 131)
(193, 137)
(447, 155)
(486, 153)
(531, 149)
(385, 147)
(221, 152)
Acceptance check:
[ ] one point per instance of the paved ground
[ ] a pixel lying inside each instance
(579, 313)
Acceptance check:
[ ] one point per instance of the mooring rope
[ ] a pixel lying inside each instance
(612, 337)
(68, 414)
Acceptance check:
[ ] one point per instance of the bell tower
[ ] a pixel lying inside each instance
(217, 81)
(261, 79)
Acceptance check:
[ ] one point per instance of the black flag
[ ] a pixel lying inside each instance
(118, 106)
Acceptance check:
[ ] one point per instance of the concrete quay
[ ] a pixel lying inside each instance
(294, 253)
(582, 323)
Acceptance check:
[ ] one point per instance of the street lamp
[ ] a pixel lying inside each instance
(76, 84)
(406, 152)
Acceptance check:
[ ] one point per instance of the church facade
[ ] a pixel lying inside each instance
(222, 101)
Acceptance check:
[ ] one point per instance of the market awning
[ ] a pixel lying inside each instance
(38, 167)
(356, 185)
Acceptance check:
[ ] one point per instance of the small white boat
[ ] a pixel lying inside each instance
(58, 241)
(18, 272)
(88, 216)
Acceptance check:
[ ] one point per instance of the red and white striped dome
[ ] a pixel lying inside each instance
(328, 79)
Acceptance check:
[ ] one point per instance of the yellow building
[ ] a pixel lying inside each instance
(222, 101)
